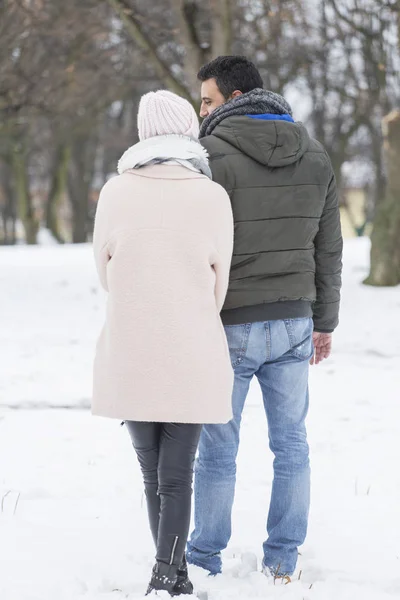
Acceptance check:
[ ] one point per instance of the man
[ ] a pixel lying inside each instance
(282, 304)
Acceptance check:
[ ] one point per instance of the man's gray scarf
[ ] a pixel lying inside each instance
(256, 102)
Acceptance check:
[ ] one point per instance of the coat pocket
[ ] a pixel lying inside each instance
(238, 339)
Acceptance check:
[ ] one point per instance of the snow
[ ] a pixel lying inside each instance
(73, 520)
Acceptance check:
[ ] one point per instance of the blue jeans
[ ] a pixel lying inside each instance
(278, 354)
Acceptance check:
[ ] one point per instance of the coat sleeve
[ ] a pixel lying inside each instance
(101, 238)
(328, 258)
(223, 259)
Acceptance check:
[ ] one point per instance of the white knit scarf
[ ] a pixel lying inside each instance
(171, 149)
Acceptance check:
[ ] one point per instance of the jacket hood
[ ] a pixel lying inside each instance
(273, 143)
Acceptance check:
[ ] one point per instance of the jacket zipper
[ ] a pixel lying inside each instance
(173, 549)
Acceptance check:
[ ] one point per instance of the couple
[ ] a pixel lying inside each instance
(163, 244)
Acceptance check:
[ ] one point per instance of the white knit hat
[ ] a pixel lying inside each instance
(163, 113)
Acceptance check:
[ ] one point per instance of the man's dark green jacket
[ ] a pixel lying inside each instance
(287, 259)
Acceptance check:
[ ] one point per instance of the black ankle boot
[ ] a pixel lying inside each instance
(164, 577)
(183, 584)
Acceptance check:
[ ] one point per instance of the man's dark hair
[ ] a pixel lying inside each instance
(232, 73)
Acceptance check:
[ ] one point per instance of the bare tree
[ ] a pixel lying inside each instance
(375, 29)
(71, 75)
(62, 64)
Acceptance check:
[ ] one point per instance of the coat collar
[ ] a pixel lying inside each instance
(166, 171)
(176, 149)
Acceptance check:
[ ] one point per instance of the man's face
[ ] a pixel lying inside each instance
(211, 97)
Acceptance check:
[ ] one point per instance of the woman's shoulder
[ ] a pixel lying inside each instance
(114, 182)
(117, 186)
(217, 196)
(215, 188)
(214, 201)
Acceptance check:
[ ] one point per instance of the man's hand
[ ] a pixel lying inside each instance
(322, 346)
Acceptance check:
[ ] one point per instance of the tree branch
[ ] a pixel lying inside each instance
(363, 30)
(134, 28)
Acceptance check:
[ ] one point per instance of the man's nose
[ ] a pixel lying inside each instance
(203, 112)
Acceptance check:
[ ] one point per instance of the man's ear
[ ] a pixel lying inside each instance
(237, 93)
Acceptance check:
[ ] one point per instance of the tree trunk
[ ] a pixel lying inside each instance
(57, 190)
(8, 212)
(3, 233)
(195, 54)
(221, 11)
(25, 209)
(80, 177)
(385, 238)
(79, 230)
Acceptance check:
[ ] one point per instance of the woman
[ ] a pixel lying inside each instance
(163, 244)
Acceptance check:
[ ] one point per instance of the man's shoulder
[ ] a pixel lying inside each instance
(223, 159)
(318, 155)
(218, 148)
(315, 147)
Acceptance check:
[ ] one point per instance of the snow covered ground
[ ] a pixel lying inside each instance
(73, 521)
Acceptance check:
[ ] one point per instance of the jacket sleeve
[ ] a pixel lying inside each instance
(328, 258)
(223, 258)
(100, 239)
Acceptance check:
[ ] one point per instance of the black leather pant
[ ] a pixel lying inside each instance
(166, 453)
